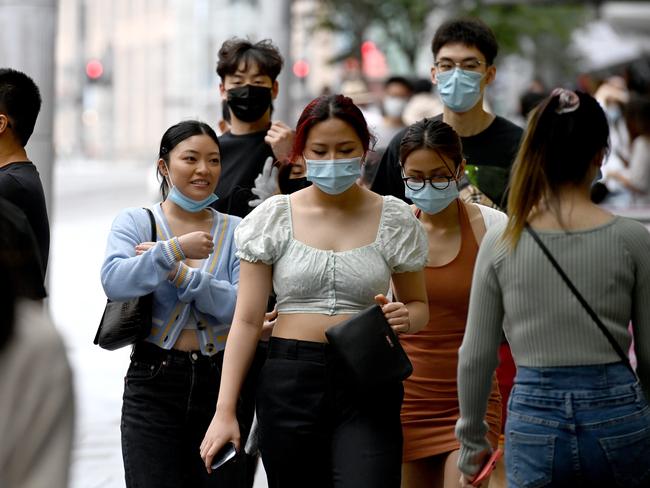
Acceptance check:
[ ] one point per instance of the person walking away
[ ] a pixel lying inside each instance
(577, 415)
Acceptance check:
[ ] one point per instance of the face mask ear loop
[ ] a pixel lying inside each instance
(169, 176)
(457, 173)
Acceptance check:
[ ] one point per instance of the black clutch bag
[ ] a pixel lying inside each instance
(369, 348)
(125, 323)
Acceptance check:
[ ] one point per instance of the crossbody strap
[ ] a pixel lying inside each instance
(152, 220)
(582, 301)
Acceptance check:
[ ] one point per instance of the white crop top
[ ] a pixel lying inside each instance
(311, 280)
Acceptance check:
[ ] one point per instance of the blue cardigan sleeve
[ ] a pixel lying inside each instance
(125, 275)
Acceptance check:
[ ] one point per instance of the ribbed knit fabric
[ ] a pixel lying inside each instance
(521, 293)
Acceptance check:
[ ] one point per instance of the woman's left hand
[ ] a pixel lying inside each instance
(465, 482)
(396, 313)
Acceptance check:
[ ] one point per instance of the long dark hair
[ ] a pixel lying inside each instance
(564, 135)
(174, 136)
(328, 107)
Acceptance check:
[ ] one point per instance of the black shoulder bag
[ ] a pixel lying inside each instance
(582, 301)
(125, 323)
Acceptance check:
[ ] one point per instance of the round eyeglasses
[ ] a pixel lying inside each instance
(437, 182)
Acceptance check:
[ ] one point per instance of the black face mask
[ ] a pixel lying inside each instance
(249, 102)
(287, 187)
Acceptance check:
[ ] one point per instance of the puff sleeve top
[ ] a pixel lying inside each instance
(311, 280)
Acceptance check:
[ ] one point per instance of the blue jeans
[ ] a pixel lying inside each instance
(577, 426)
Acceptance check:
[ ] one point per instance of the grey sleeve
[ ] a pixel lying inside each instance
(638, 243)
(478, 356)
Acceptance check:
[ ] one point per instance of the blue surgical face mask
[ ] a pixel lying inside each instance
(459, 89)
(185, 202)
(431, 200)
(333, 176)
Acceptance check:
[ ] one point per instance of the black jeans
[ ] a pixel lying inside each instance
(169, 401)
(320, 430)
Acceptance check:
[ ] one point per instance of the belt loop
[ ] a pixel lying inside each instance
(543, 378)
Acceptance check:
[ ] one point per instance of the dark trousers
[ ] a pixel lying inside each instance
(169, 401)
(320, 430)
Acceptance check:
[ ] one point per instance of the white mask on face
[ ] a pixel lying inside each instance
(394, 106)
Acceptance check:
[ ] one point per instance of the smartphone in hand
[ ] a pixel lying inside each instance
(225, 454)
(487, 468)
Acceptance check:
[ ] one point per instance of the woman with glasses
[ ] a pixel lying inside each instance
(432, 164)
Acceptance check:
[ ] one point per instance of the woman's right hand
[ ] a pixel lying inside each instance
(196, 245)
(223, 428)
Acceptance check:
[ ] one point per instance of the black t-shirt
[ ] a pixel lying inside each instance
(242, 159)
(19, 252)
(492, 151)
(21, 185)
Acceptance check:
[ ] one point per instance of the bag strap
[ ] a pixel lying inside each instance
(582, 301)
(152, 220)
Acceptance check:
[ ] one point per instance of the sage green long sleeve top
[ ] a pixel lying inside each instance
(520, 292)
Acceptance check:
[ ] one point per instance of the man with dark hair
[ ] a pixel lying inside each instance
(248, 73)
(464, 51)
(20, 183)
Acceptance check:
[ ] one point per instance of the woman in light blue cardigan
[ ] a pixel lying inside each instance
(172, 383)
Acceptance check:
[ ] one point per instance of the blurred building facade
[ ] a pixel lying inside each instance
(157, 63)
(128, 69)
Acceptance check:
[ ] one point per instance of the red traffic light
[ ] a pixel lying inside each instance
(368, 48)
(301, 68)
(94, 69)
